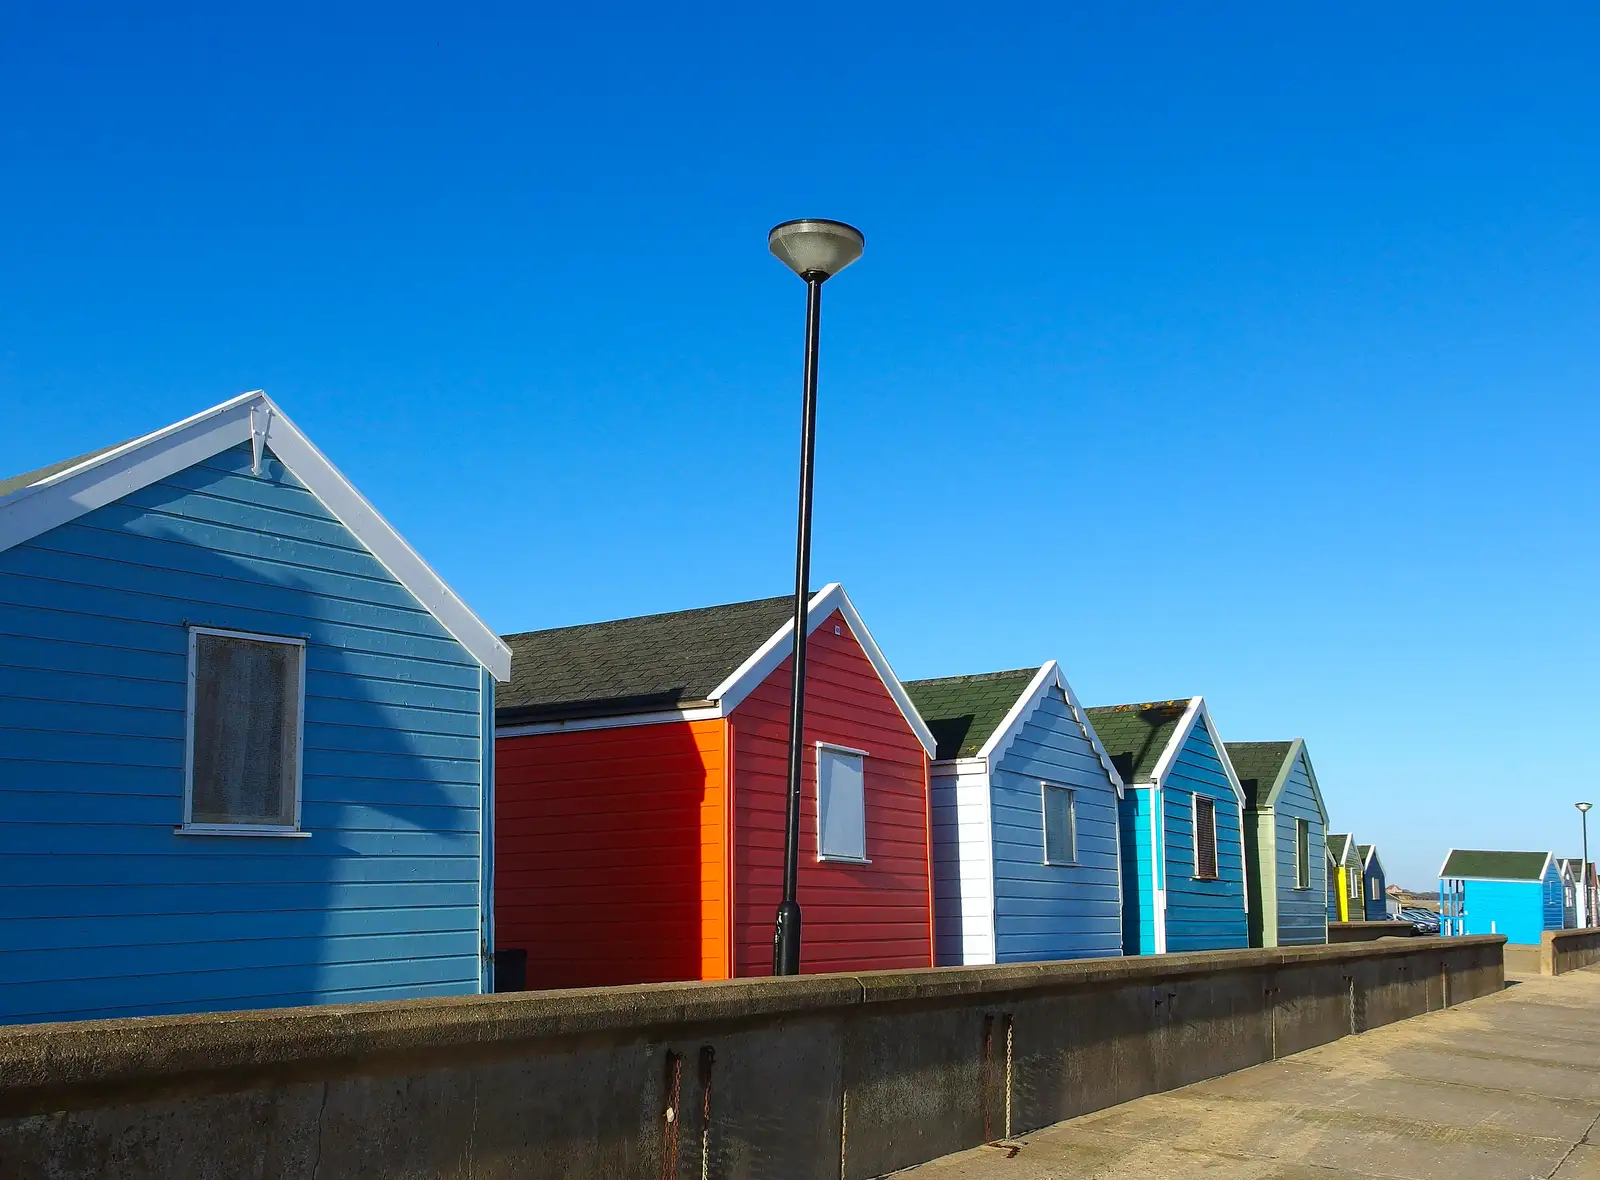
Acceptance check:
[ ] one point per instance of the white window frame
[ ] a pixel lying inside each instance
(1302, 854)
(834, 857)
(1356, 876)
(1194, 828)
(1045, 787)
(189, 827)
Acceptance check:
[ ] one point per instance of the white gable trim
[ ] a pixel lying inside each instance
(1048, 678)
(744, 679)
(1372, 856)
(253, 418)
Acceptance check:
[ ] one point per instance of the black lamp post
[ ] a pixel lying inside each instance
(815, 250)
(1588, 893)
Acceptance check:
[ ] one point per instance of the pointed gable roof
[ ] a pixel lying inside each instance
(1339, 846)
(1264, 768)
(667, 661)
(55, 494)
(700, 662)
(965, 711)
(1259, 765)
(979, 716)
(1137, 735)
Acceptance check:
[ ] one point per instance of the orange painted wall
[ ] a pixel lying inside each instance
(609, 853)
(854, 917)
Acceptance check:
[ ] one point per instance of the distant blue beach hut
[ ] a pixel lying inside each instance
(1518, 894)
(1374, 883)
(1285, 841)
(1180, 825)
(245, 736)
(1024, 814)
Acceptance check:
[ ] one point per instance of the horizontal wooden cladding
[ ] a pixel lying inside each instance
(609, 853)
(855, 917)
(104, 908)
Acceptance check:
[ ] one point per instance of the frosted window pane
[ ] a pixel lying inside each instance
(841, 805)
(246, 730)
(1060, 826)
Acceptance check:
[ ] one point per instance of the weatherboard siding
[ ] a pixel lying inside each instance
(963, 866)
(1134, 829)
(1302, 913)
(1202, 915)
(1512, 908)
(1053, 911)
(1374, 902)
(1555, 901)
(609, 853)
(856, 917)
(104, 909)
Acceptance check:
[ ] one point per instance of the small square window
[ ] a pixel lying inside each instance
(841, 804)
(1060, 825)
(1205, 838)
(246, 710)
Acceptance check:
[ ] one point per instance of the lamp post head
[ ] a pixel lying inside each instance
(814, 247)
(1585, 806)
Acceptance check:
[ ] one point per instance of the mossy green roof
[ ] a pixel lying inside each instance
(1135, 735)
(1339, 845)
(1496, 866)
(964, 711)
(1258, 765)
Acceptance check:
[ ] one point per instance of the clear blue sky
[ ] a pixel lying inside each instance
(1250, 353)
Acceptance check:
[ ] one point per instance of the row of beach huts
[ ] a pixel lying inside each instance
(254, 753)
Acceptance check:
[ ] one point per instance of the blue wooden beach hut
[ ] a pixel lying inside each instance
(1517, 894)
(1024, 813)
(1285, 842)
(245, 735)
(1374, 884)
(1180, 828)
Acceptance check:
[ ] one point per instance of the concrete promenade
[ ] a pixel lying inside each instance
(1503, 1088)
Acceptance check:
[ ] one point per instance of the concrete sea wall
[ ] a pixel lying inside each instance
(1568, 950)
(836, 1076)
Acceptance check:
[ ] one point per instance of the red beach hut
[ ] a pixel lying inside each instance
(640, 779)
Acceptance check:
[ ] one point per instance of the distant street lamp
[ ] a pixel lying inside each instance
(1588, 891)
(816, 250)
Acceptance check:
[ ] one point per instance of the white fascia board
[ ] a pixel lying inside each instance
(1222, 756)
(1445, 864)
(1175, 743)
(1017, 716)
(946, 767)
(1373, 858)
(1049, 678)
(744, 679)
(579, 724)
(252, 417)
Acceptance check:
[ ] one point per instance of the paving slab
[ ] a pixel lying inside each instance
(1503, 1088)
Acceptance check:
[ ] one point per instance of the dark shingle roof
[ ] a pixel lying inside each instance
(1498, 866)
(1258, 765)
(633, 665)
(1363, 851)
(1135, 735)
(17, 482)
(1339, 845)
(964, 711)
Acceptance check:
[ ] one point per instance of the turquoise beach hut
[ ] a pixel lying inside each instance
(1024, 812)
(245, 736)
(1180, 826)
(1518, 894)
